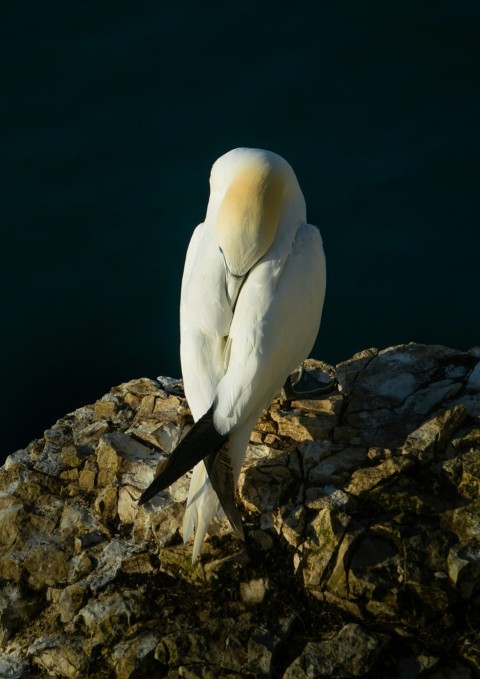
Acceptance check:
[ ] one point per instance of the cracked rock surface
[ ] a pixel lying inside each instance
(362, 521)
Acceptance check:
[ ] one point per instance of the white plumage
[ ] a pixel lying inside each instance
(252, 297)
(249, 316)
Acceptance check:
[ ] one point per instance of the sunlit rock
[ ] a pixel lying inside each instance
(361, 514)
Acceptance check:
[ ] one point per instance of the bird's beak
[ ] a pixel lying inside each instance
(233, 283)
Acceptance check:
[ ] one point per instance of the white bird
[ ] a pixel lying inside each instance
(252, 296)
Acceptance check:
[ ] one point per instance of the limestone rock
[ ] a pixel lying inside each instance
(352, 652)
(361, 514)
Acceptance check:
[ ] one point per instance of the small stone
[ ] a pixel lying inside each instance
(72, 456)
(70, 601)
(104, 410)
(92, 432)
(106, 503)
(109, 563)
(80, 566)
(128, 508)
(88, 476)
(70, 475)
(253, 592)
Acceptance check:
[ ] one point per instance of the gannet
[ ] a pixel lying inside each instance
(252, 295)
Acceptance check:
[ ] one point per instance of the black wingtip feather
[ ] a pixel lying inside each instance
(220, 473)
(202, 440)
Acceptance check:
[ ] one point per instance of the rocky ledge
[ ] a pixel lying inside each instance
(362, 555)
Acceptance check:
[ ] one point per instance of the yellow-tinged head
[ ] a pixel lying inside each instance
(252, 186)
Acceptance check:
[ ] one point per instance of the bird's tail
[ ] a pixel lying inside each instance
(202, 506)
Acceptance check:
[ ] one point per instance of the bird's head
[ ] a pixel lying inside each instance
(251, 188)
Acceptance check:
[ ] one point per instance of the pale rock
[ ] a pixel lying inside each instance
(108, 616)
(75, 456)
(71, 600)
(253, 592)
(59, 656)
(88, 476)
(469, 478)
(136, 656)
(121, 458)
(92, 432)
(314, 452)
(302, 425)
(352, 652)
(465, 522)
(292, 526)
(10, 518)
(78, 519)
(104, 409)
(128, 509)
(107, 503)
(18, 460)
(109, 563)
(425, 400)
(80, 566)
(347, 372)
(14, 666)
(262, 485)
(47, 564)
(324, 535)
(433, 436)
(345, 460)
(362, 506)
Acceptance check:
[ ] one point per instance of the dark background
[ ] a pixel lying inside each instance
(113, 113)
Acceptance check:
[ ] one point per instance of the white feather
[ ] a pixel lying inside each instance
(241, 337)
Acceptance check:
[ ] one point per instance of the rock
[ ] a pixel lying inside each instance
(253, 592)
(14, 666)
(360, 512)
(16, 610)
(71, 600)
(104, 618)
(351, 652)
(60, 656)
(136, 656)
(264, 479)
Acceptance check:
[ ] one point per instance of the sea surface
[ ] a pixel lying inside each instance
(113, 113)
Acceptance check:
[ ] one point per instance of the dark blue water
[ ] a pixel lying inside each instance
(113, 113)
